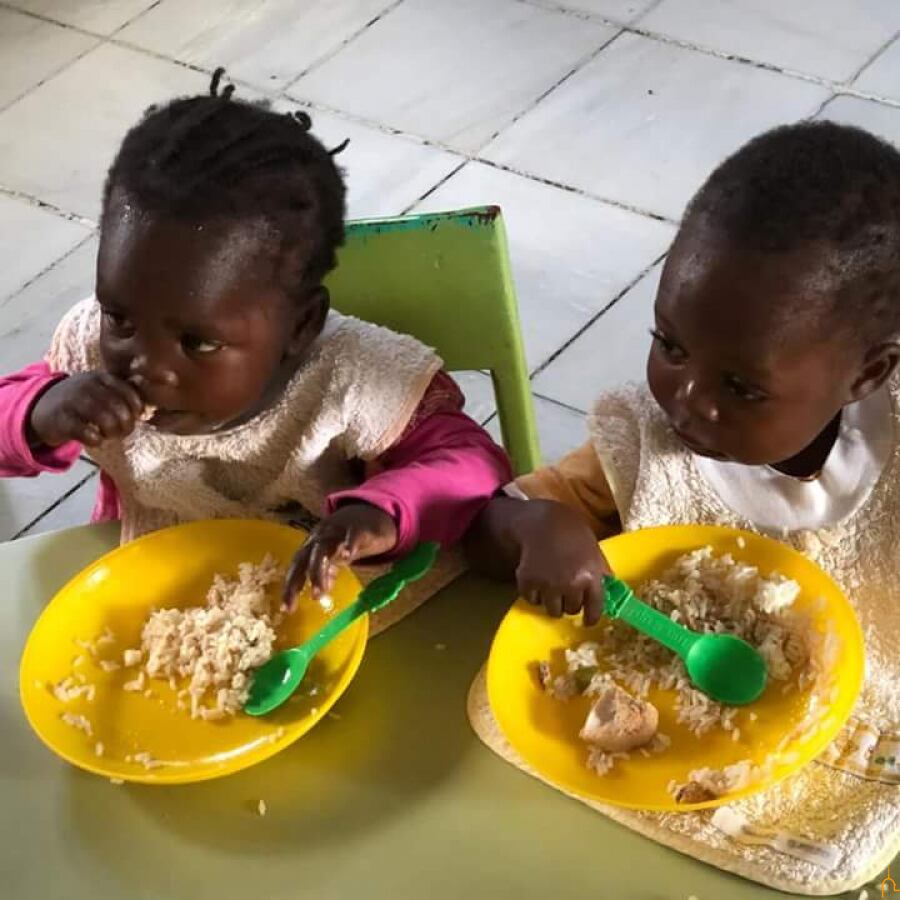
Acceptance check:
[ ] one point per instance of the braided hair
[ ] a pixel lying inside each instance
(211, 157)
(818, 183)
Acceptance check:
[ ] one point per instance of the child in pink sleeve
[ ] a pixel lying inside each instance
(208, 376)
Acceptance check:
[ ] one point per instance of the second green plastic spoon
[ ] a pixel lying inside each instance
(275, 681)
(723, 666)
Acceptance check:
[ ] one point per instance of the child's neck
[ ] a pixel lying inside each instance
(809, 462)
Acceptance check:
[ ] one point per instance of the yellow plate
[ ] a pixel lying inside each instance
(544, 730)
(173, 567)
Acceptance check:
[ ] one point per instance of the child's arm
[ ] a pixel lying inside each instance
(430, 486)
(47, 417)
(545, 537)
(19, 393)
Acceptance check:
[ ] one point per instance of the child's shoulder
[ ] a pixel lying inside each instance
(75, 346)
(356, 349)
(631, 401)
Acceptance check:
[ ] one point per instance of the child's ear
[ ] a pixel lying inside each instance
(310, 320)
(879, 364)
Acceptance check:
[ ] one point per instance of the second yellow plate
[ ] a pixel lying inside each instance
(544, 731)
(173, 567)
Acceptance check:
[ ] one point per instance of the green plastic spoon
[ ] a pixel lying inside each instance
(275, 681)
(723, 666)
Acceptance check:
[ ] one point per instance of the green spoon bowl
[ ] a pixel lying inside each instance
(275, 682)
(723, 666)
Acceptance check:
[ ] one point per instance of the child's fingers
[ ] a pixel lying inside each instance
(296, 577)
(573, 599)
(320, 558)
(594, 599)
(553, 603)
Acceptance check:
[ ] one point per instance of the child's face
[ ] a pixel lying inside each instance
(196, 318)
(738, 380)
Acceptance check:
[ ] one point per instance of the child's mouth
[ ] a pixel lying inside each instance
(696, 446)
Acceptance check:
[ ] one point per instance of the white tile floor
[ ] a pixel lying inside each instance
(591, 122)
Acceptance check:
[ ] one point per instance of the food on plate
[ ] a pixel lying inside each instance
(215, 646)
(619, 667)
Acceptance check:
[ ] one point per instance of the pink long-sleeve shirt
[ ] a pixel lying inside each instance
(433, 481)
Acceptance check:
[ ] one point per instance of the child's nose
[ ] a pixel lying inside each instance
(701, 402)
(149, 371)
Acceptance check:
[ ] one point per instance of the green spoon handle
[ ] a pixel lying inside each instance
(622, 604)
(377, 594)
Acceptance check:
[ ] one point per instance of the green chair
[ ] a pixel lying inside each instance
(445, 278)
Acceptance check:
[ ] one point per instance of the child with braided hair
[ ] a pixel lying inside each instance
(208, 377)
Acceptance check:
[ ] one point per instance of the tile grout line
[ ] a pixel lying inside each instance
(595, 318)
(58, 502)
(631, 27)
(316, 106)
(582, 63)
(837, 89)
(45, 270)
(49, 207)
(872, 58)
(439, 183)
(332, 53)
(47, 77)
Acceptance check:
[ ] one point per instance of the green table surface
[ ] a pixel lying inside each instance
(395, 799)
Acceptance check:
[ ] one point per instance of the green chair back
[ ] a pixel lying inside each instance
(445, 279)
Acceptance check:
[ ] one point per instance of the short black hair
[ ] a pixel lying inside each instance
(818, 182)
(212, 157)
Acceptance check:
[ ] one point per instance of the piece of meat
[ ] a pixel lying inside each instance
(692, 792)
(619, 722)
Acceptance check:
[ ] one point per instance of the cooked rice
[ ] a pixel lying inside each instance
(216, 646)
(99, 749)
(261, 807)
(79, 722)
(708, 594)
(69, 689)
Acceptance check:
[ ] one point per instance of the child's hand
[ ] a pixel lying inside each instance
(550, 550)
(90, 408)
(560, 566)
(355, 531)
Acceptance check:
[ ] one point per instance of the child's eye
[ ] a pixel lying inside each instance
(194, 344)
(744, 391)
(669, 349)
(116, 320)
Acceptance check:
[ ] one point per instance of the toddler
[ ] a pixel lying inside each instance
(772, 403)
(208, 377)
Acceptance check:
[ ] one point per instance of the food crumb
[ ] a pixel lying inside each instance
(742, 543)
(78, 660)
(135, 685)
(79, 722)
(334, 715)
(132, 657)
(109, 665)
(99, 749)
(261, 807)
(116, 781)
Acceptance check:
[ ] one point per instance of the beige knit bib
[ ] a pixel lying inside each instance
(350, 400)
